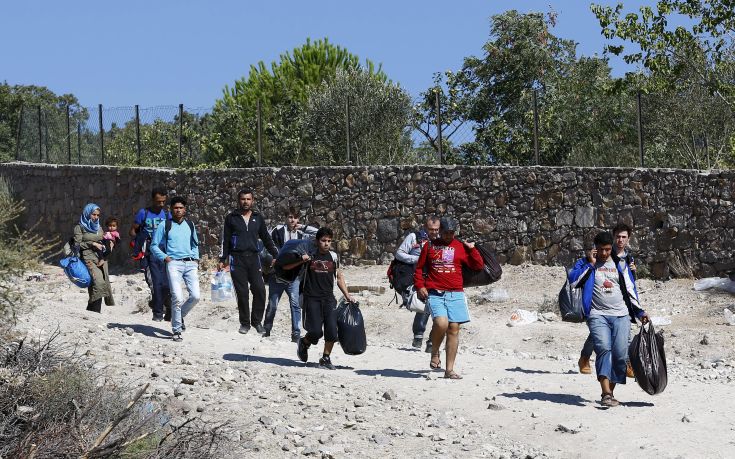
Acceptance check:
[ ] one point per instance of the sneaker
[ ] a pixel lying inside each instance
(244, 329)
(267, 334)
(429, 346)
(629, 371)
(326, 362)
(608, 400)
(157, 318)
(584, 365)
(177, 337)
(295, 338)
(416, 343)
(302, 351)
(259, 328)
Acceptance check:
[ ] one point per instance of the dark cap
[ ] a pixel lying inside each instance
(447, 224)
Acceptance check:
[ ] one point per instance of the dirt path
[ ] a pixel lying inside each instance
(521, 394)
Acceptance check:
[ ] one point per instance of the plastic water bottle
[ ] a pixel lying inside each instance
(729, 317)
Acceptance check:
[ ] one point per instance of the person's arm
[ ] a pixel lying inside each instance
(343, 286)
(267, 240)
(224, 256)
(309, 231)
(156, 241)
(418, 275)
(474, 258)
(137, 221)
(403, 253)
(304, 259)
(579, 271)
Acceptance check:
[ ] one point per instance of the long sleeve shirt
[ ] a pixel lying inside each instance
(444, 265)
(178, 245)
(410, 249)
(241, 238)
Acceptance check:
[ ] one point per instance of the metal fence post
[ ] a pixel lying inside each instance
(347, 131)
(79, 142)
(137, 133)
(640, 128)
(102, 134)
(439, 126)
(40, 137)
(535, 127)
(18, 135)
(181, 129)
(259, 133)
(68, 133)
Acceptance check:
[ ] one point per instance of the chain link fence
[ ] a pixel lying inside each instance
(633, 130)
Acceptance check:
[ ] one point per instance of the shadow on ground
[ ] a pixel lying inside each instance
(147, 330)
(280, 361)
(564, 399)
(393, 373)
(540, 372)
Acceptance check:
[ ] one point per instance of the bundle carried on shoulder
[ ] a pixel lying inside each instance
(648, 359)
(351, 328)
(290, 253)
(570, 303)
(490, 273)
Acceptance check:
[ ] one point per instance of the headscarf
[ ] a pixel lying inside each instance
(86, 220)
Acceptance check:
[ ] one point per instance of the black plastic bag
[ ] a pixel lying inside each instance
(647, 357)
(490, 273)
(351, 328)
(570, 303)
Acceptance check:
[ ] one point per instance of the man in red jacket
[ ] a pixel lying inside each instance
(438, 280)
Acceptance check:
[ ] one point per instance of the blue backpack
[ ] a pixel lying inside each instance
(75, 268)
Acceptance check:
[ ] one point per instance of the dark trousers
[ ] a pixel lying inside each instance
(246, 271)
(320, 312)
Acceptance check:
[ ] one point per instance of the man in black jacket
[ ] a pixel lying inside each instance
(241, 230)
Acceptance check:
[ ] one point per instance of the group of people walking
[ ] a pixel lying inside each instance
(430, 261)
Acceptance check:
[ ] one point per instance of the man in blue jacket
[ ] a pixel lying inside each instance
(175, 243)
(610, 300)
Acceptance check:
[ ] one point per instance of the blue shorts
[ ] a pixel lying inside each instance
(452, 305)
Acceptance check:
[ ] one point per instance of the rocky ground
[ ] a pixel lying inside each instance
(521, 395)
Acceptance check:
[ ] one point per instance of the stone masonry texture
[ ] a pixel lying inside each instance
(684, 222)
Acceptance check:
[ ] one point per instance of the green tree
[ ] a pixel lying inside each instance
(53, 112)
(282, 91)
(379, 118)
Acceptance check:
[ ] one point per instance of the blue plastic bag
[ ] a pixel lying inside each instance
(76, 271)
(222, 289)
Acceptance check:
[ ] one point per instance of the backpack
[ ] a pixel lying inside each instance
(490, 272)
(400, 274)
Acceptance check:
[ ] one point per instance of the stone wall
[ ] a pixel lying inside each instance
(684, 220)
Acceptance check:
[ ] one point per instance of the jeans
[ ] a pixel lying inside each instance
(275, 291)
(610, 337)
(589, 345)
(157, 280)
(186, 272)
(419, 320)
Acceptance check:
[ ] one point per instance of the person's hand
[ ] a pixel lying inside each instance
(305, 257)
(273, 262)
(168, 259)
(98, 246)
(644, 318)
(220, 266)
(632, 266)
(592, 256)
(112, 245)
(349, 298)
(422, 293)
(470, 245)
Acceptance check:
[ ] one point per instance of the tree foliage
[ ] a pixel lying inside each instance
(379, 118)
(282, 90)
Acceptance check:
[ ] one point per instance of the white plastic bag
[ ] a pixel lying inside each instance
(222, 287)
(721, 283)
(660, 321)
(522, 317)
(496, 295)
(415, 304)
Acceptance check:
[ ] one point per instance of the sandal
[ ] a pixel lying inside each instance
(608, 400)
(452, 375)
(435, 365)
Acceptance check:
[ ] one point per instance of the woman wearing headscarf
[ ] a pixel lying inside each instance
(88, 235)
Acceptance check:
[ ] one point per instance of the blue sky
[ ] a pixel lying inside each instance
(168, 52)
